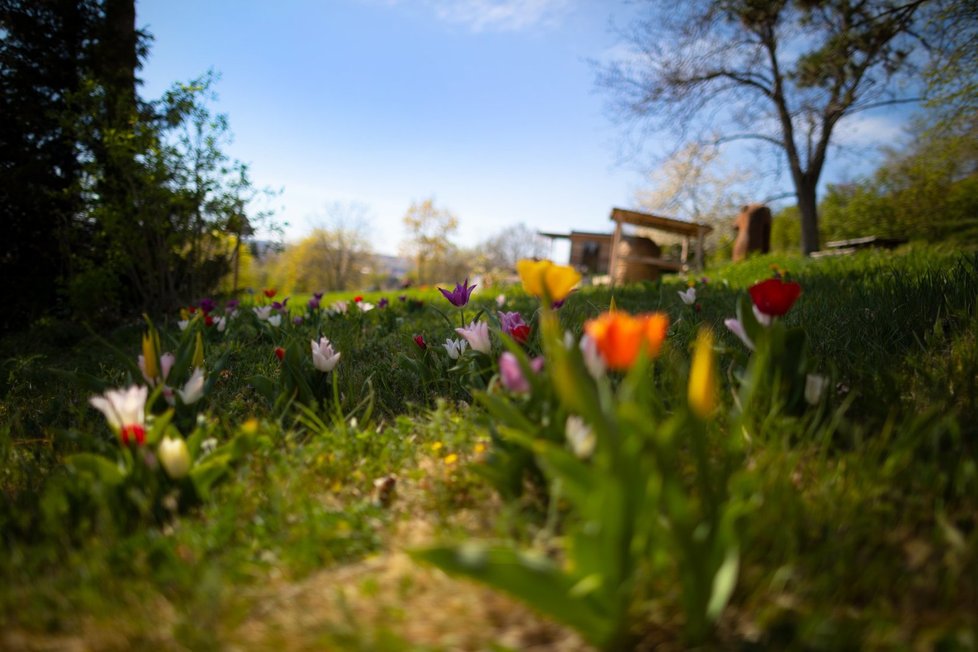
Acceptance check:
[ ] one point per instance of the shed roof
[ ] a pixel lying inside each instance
(651, 221)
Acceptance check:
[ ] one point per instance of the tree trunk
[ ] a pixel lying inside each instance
(808, 210)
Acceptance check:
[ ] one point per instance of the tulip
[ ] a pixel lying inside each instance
(148, 361)
(270, 292)
(198, 359)
(511, 374)
(207, 305)
(688, 296)
(815, 388)
(762, 319)
(383, 303)
(460, 295)
(193, 391)
(365, 306)
(279, 353)
(455, 348)
(513, 325)
(183, 323)
(702, 392)
(592, 357)
(167, 360)
(124, 409)
(324, 357)
(737, 329)
(263, 312)
(619, 336)
(174, 457)
(774, 297)
(222, 324)
(545, 280)
(275, 320)
(419, 340)
(477, 335)
(580, 436)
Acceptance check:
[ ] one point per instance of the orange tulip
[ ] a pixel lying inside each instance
(620, 336)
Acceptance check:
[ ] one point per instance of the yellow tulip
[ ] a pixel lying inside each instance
(150, 357)
(531, 273)
(703, 376)
(198, 360)
(541, 278)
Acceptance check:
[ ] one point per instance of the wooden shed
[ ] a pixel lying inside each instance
(626, 258)
(629, 263)
(590, 253)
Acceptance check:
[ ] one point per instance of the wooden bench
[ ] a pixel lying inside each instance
(852, 245)
(664, 264)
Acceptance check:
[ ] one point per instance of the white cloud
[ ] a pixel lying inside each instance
(862, 130)
(503, 15)
(498, 15)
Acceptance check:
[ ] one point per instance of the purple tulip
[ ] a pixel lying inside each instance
(383, 302)
(460, 295)
(314, 303)
(511, 374)
(207, 305)
(231, 305)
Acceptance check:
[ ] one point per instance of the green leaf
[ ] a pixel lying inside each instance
(207, 473)
(533, 579)
(264, 386)
(107, 471)
(723, 583)
(576, 476)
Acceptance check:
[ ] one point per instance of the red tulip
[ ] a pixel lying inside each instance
(774, 297)
(279, 352)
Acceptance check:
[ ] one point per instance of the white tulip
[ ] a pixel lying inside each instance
(174, 457)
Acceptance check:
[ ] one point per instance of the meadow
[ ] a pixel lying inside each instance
(810, 486)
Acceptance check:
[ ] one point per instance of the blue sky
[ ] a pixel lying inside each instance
(489, 106)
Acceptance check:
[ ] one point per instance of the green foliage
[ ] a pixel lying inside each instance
(775, 524)
(786, 229)
(927, 192)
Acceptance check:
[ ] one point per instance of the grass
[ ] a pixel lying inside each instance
(860, 534)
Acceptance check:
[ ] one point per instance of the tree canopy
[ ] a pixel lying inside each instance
(781, 73)
(111, 203)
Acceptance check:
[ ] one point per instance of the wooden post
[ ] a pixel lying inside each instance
(614, 253)
(684, 256)
(699, 248)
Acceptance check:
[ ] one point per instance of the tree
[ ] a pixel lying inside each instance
(430, 230)
(778, 72)
(44, 51)
(112, 202)
(693, 184)
(337, 250)
(514, 243)
(927, 191)
(952, 76)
